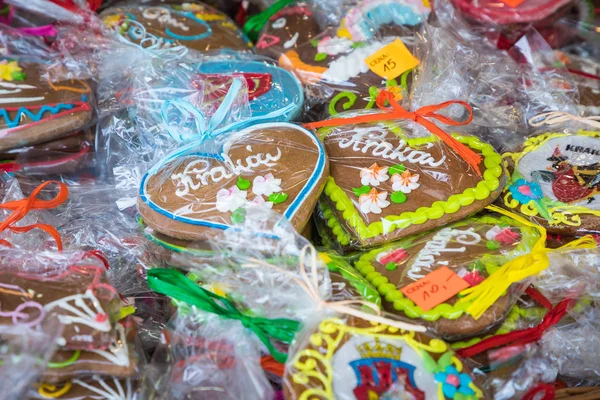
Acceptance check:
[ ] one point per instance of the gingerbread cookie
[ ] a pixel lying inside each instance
(354, 359)
(332, 64)
(78, 296)
(279, 166)
(386, 183)
(94, 387)
(270, 88)
(34, 109)
(556, 182)
(586, 74)
(473, 249)
(193, 25)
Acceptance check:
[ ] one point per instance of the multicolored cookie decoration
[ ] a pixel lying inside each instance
(270, 88)
(556, 182)
(387, 183)
(331, 63)
(471, 249)
(193, 25)
(93, 387)
(35, 110)
(357, 360)
(278, 166)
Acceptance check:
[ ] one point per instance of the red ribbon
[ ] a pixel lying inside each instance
(421, 116)
(538, 297)
(520, 337)
(546, 388)
(22, 207)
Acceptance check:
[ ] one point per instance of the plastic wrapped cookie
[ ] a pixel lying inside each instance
(36, 110)
(347, 359)
(472, 249)
(193, 25)
(556, 182)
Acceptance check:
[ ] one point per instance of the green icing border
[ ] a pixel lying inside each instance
(491, 181)
(336, 228)
(393, 295)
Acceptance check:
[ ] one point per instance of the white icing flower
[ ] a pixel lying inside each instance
(260, 202)
(373, 202)
(266, 185)
(405, 182)
(334, 46)
(491, 234)
(373, 175)
(231, 199)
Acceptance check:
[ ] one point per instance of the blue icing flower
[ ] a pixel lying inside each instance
(524, 191)
(454, 382)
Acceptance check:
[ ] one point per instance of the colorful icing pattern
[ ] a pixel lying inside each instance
(348, 361)
(557, 180)
(95, 387)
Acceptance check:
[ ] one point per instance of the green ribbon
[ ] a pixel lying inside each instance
(176, 285)
(254, 25)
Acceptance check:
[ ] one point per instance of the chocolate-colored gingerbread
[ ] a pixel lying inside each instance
(193, 25)
(34, 109)
(386, 183)
(471, 249)
(278, 166)
(92, 387)
(586, 74)
(354, 359)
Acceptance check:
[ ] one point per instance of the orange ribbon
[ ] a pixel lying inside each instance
(420, 116)
(22, 207)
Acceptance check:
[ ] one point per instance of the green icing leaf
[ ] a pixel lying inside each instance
(391, 83)
(238, 216)
(398, 197)
(396, 169)
(429, 363)
(277, 198)
(320, 56)
(358, 45)
(391, 266)
(18, 76)
(242, 183)
(361, 190)
(492, 245)
(445, 360)
(314, 42)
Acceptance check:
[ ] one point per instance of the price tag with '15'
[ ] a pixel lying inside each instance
(435, 288)
(392, 60)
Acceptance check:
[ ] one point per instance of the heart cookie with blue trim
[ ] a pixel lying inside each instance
(190, 193)
(34, 109)
(193, 25)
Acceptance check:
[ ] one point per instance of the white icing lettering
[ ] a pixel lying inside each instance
(163, 16)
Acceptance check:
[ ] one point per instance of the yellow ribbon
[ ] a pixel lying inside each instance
(311, 286)
(484, 295)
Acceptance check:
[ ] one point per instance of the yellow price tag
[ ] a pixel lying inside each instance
(392, 60)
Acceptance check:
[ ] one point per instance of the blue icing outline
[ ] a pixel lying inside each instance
(37, 116)
(398, 14)
(191, 16)
(289, 212)
(285, 88)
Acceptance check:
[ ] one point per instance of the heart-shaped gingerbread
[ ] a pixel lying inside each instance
(193, 25)
(279, 166)
(33, 109)
(472, 249)
(387, 183)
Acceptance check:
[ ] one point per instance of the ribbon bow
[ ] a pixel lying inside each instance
(559, 117)
(311, 286)
(255, 24)
(422, 116)
(174, 284)
(22, 207)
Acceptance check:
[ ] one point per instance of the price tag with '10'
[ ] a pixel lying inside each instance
(435, 288)
(392, 60)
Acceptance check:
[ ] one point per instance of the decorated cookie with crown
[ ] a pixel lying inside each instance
(274, 94)
(193, 25)
(192, 193)
(469, 252)
(555, 181)
(34, 109)
(332, 63)
(387, 182)
(356, 360)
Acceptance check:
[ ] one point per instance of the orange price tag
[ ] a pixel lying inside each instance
(392, 60)
(512, 3)
(435, 288)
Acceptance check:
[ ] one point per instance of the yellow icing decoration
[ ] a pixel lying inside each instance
(229, 25)
(112, 20)
(52, 391)
(310, 365)
(7, 69)
(208, 17)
